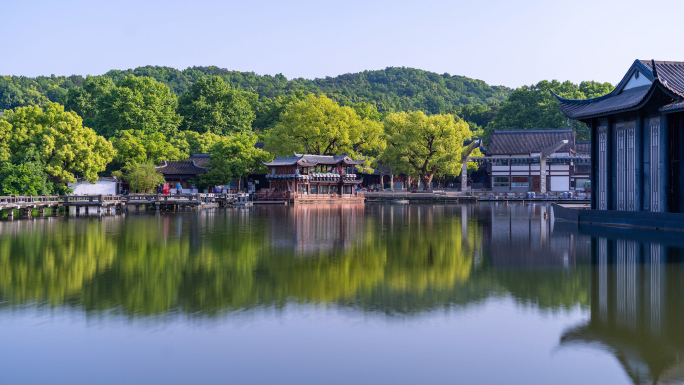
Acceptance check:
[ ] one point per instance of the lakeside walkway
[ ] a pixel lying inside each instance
(117, 203)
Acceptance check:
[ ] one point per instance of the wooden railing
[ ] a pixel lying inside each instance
(285, 195)
(29, 199)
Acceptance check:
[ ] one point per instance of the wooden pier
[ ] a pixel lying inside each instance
(118, 203)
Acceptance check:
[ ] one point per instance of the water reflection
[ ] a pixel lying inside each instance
(636, 307)
(392, 259)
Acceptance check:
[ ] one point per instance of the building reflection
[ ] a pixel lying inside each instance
(636, 309)
(316, 229)
(523, 235)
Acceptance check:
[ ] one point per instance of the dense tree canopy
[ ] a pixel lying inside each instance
(190, 142)
(210, 105)
(424, 146)
(55, 139)
(83, 100)
(24, 179)
(233, 157)
(389, 90)
(318, 125)
(133, 146)
(534, 107)
(141, 104)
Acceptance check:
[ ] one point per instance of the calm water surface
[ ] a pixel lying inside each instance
(404, 294)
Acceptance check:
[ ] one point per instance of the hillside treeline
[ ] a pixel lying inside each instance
(390, 90)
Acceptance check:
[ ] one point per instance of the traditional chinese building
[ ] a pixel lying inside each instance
(184, 171)
(312, 178)
(637, 136)
(535, 160)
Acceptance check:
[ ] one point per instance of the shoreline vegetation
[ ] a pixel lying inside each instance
(57, 129)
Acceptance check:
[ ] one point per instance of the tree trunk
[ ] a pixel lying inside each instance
(426, 179)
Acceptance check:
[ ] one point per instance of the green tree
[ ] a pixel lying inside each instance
(134, 146)
(534, 107)
(141, 104)
(57, 140)
(210, 105)
(191, 142)
(141, 177)
(83, 100)
(234, 157)
(318, 125)
(424, 146)
(268, 110)
(24, 179)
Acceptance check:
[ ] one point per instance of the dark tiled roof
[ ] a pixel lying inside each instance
(518, 142)
(670, 78)
(673, 106)
(671, 73)
(627, 99)
(200, 159)
(312, 160)
(583, 147)
(187, 167)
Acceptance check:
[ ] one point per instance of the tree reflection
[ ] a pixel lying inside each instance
(389, 258)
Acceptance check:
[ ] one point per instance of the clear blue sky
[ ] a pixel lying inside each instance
(507, 43)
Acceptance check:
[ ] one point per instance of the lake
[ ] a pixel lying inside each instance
(339, 294)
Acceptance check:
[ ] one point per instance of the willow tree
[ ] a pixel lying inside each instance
(317, 125)
(424, 146)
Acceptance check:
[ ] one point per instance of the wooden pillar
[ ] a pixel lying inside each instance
(464, 176)
(542, 175)
(612, 165)
(639, 163)
(664, 163)
(602, 165)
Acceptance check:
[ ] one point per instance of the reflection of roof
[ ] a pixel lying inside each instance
(645, 357)
(510, 142)
(312, 160)
(668, 78)
(188, 167)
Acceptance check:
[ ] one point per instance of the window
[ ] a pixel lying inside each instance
(334, 189)
(500, 181)
(313, 189)
(323, 189)
(347, 189)
(303, 171)
(302, 189)
(520, 181)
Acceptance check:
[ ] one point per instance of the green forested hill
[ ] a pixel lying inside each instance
(391, 89)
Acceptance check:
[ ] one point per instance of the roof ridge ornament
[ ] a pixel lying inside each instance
(655, 70)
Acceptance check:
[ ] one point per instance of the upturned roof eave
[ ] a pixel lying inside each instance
(657, 84)
(636, 65)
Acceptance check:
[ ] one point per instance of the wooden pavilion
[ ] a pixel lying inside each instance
(306, 178)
